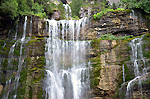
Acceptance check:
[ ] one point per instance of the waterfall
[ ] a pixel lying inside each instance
(137, 59)
(123, 74)
(30, 26)
(12, 49)
(13, 82)
(67, 72)
(16, 32)
(20, 58)
(67, 10)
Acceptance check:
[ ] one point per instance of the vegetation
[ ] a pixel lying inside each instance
(12, 9)
(75, 7)
(113, 37)
(141, 4)
(103, 12)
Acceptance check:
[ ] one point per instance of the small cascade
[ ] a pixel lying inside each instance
(4, 45)
(12, 48)
(138, 62)
(67, 72)
(16, 32)
(67, 10)
(12, 82)
(134, 21)
(20, 58)
(123, 73)
(31, 26)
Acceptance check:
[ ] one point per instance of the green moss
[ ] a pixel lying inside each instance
(17, 52)
(113, 37)
(41, 62)
(128, 10)
(120, 79)
(4, 64)
(128, 75)
(33, 41)
(100, 14)
(22, 84)
(94, 82)
(146, 46)
(118, 95)
(131, 38)
(95, 76)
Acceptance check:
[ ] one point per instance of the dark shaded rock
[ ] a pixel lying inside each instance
(64, 1)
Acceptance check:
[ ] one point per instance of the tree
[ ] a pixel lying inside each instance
(9, 8)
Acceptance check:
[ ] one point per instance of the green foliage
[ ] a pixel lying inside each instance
(9, 7)
(128, 75)
(13, 8)
(75, 18)
(62, 10)
(100, 14)
(141, 4)
(113, 37)
(75, 6)
(95, 16)
(36, 8)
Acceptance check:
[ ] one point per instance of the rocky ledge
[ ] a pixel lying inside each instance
(117, 23)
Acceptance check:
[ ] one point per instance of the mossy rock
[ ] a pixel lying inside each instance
(128, 11)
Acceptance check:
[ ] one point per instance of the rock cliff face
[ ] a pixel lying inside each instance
(110, 55)
(109, 64)
(35, 67)
(118, 23)
(29, 85)
(112, 63)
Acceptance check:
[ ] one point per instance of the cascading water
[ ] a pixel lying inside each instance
(138, 61)
(123, 74)
(16, 32)
(31, 26)
(67, 10)
(13, 82)
(20, 58)
(67, 72)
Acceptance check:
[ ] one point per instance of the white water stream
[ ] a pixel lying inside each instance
(67, 72)
(138, 62)
(11, 81)
(67, 11)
